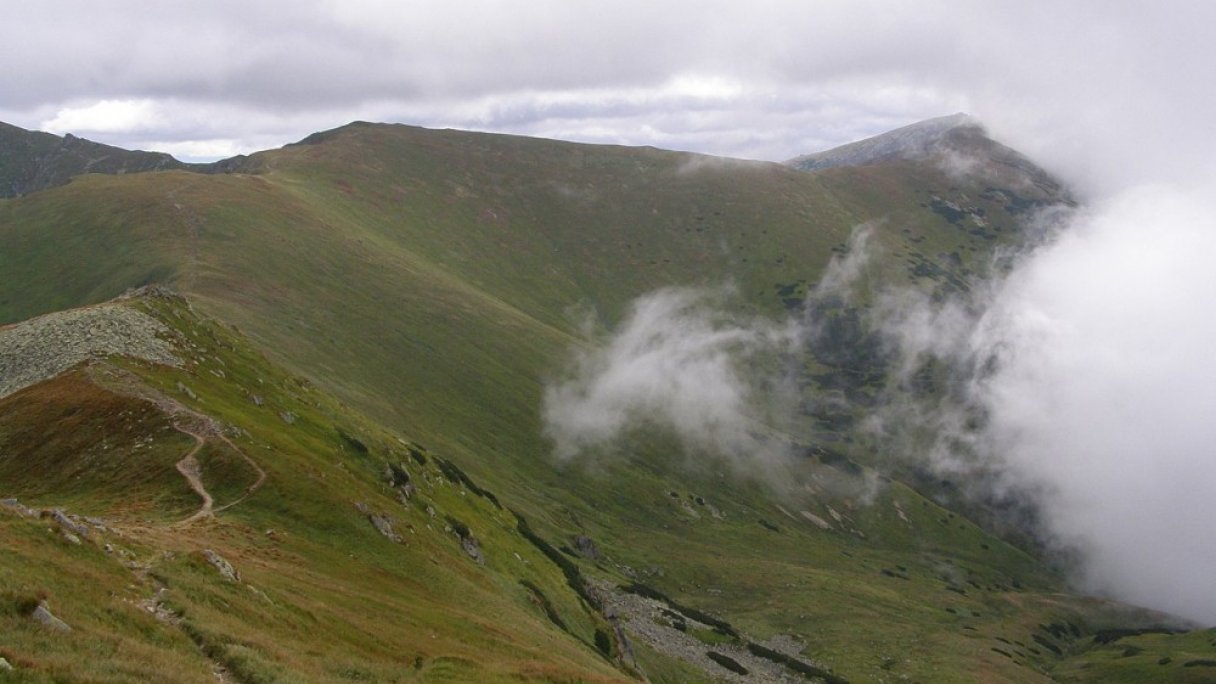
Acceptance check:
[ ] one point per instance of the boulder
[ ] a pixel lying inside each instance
(43, 616)
(20, 509)
(222, 565)
(471, 547)
(385, 527)
(68, 525)
(586, 547)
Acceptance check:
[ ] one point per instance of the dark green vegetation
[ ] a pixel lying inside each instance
(32, 160)
(371, 315)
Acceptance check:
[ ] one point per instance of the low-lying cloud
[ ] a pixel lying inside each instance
(1081, 382)
(682, 361)
(1104, 399)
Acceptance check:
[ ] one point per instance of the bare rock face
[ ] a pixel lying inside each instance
(43, 616)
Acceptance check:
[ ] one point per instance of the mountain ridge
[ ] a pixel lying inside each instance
(907, 143)
(35, 160)
(386, 287)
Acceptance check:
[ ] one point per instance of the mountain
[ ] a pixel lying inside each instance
(286, 421)
(914, 142)
(34, 160)
(957, 143)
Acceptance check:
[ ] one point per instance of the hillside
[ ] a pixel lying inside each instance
(380, 291)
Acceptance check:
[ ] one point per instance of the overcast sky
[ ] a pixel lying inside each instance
(1108, 398)
(769, 79)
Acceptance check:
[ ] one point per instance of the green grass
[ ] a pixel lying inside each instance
(404, 287)
(323, 595)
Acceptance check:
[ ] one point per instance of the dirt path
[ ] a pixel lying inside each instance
(187, 421)
(191, 470)
(257, 484)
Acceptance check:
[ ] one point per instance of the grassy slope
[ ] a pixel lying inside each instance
(426, 278)
(323, 595)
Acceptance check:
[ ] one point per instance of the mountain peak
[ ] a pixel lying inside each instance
(35, 160)
(913, 142)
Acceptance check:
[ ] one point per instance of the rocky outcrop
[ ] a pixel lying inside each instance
(68, 524)
(19, 508)
(43, 616)
(586, 547)
(43, 347)
(385, 527)
(399, 479)
(729, 656)
(473, 549)
(225, 568)
(382, 523)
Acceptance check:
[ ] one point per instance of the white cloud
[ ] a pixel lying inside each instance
(105, 116)
(683, 362)
(784, 77)
(1105, 399)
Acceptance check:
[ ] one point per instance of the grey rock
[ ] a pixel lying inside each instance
(43, 616)
(638, 619)
(222, 565)
(21, 509)
(43, 347)
(471, 547)
(4, 665)
(68, 525)
(585, 547)
(187, 391)
(384, 526)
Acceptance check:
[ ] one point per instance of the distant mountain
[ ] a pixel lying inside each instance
(910, 143)
(33, 160)
(957, 144)
(308, 445)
